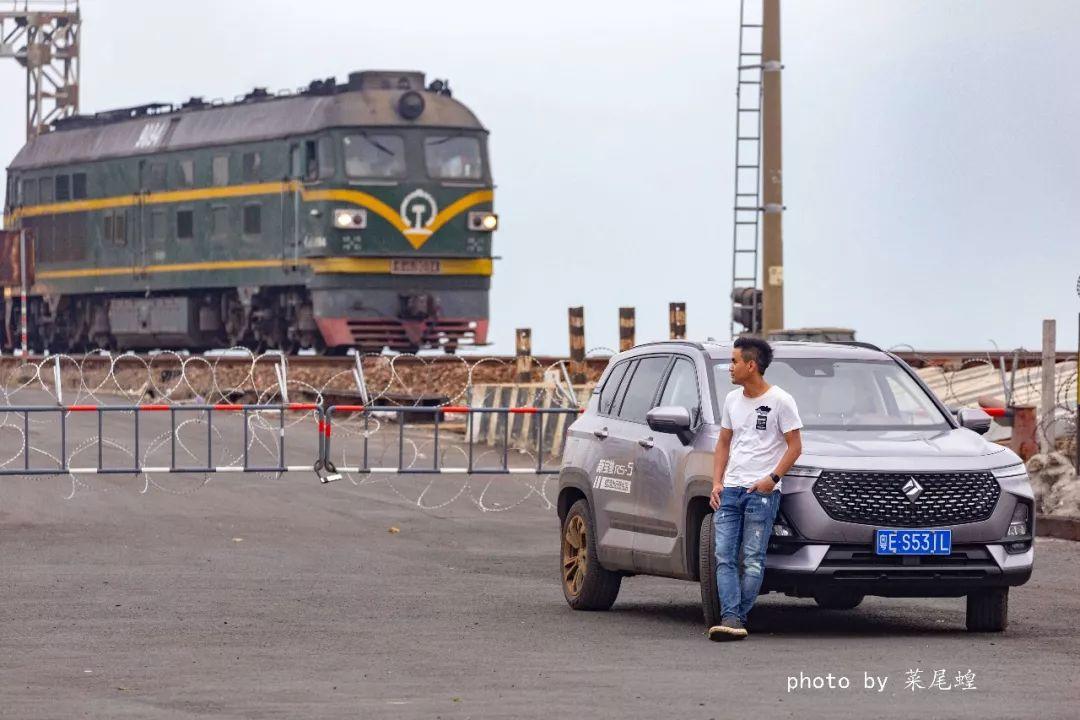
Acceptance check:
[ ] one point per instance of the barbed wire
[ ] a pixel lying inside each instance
(238, 375)
(983, 376)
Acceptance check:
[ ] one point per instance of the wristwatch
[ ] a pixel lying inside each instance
(775, 478)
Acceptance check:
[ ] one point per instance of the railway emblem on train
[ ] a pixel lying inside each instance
(418, 210)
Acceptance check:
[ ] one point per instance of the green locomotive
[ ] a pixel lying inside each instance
(354, 214)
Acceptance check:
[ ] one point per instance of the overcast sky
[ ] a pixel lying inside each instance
(931, 149)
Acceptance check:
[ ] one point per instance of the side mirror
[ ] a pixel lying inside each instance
(671, 419)
(973, 419)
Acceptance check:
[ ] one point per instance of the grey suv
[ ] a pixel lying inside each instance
(894, 494)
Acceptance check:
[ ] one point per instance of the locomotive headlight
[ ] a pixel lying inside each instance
(350, 218)
(483, 221)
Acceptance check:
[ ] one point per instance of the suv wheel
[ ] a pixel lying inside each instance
(988, 610)
(710, 597)
(586, 584)
(838, 599)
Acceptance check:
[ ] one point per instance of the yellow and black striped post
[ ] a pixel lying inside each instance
(677, 320)
(627, 326)
(523, 360)
(577, 344)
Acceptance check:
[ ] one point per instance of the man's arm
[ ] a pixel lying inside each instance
(794, 450)
(720, 460)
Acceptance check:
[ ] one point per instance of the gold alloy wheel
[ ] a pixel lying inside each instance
(575, 556)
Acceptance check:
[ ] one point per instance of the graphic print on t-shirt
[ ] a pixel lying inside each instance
(762, 416)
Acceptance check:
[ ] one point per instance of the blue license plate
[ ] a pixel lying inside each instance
(913, 542)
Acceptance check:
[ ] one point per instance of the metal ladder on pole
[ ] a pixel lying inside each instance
(747, 206)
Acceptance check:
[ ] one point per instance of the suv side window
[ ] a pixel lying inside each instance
(640, 394)
(681, 389)
(611, 386)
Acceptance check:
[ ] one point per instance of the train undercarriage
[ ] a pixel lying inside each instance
(271, 318)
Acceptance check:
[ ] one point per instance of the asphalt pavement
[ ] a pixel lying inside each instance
(254, 597)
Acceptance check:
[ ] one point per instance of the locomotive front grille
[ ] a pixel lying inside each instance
(871, 498)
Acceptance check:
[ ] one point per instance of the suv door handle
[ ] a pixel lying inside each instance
(601, 433)
(646, 443)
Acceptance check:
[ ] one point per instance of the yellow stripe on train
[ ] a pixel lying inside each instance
(415, 237)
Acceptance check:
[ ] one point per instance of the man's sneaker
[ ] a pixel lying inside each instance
(730, 628)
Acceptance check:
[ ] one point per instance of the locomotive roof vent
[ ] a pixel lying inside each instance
(386, 80)
(321, 87)
(258, 93)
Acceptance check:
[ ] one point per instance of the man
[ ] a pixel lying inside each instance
(759, 442)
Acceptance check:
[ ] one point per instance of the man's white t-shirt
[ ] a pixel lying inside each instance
(757, 440)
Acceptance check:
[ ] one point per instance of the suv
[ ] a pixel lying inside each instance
(894, 494)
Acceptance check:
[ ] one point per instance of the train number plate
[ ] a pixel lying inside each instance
(913, 542)
(415, 267)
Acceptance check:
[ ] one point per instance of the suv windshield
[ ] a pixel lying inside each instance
(856, 394)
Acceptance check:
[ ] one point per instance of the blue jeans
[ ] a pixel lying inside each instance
(744, 520)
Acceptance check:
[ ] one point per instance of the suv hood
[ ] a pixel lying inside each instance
(940, 449)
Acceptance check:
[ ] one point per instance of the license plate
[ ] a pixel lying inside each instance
(913, 542)
(415, 267)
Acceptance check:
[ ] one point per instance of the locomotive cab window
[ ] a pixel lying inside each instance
(453, 157)
(374, 156)
(30, 192)
(311, 161)
(318, 159)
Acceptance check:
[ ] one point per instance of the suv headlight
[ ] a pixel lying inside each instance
(350, 218)
(483, 221)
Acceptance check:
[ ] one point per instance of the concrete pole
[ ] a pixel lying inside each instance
(576, 317)
(523, 362)
(772, 190)
(1046, 414)
(677, 320)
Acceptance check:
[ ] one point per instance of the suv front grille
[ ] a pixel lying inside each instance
(872, 498)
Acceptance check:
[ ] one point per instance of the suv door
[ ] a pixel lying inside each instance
(661, 457)
(620, 469)
(590, 447)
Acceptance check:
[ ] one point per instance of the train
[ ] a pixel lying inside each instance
(344, 215)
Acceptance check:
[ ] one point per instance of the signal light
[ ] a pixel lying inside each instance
(746, 308)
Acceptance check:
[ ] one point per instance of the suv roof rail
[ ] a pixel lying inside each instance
(856, 343)
(693, 343)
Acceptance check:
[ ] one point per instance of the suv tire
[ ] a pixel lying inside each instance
(586, 584)
(710, 597)
(988, 610)
(838, 599)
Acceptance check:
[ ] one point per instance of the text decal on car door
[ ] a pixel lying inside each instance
(610, 475)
